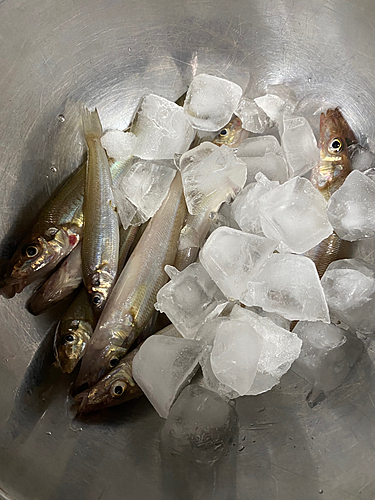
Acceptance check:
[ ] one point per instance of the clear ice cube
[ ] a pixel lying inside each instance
(161, 128)
(235, 355)
(258, 146)
(145, 184)
(190, 299)
(211, 101)
(232, 257)
(288, 285)
(245, 208)
(263, 154)
(297, 212)
(362, 159)
(200, 425)
(163, 367)
(118, 145)
(349, 287)
(280, 348)
(351, 209)
(299, 145)
(272, 165)
(328, 353)
(272, 105)
(253, 118)
(210, 175)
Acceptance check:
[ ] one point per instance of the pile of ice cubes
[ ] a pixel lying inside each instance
(233, 306)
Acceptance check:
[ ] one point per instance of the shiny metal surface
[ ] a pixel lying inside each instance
(108, 53)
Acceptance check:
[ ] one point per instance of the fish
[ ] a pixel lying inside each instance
(193, 235)
(132, 300)
(232, 135)
(127, 238)
(62, 283)
(118, 386)
(100, 246)
(56, 232)
(73, 332)
(336, 138)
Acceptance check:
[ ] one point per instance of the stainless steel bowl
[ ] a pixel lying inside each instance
(108, 53)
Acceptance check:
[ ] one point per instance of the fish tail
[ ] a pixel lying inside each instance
(91, 124)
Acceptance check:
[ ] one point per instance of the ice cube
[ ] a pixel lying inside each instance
(232, 257)
(272, 165)
(210, 175)
(275, 318)
(118, 145)
(163, 367)
(125, 208)
(235, 355)
(161, 128)
(245, 208)
(280, 348)
(263, 154)
(190, 299)
(362, 159)
(200, 425)
(299, 145)
(258, 146)
(211, 101)
(328, 353)
(272, 105)
(297, 212)
(351, 209)
(145, 184)
(288, 285)
(253, 118)
(349, 287)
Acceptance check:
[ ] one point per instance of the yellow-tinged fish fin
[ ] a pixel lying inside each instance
(92, 126)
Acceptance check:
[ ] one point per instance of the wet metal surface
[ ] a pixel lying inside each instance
(108, 53)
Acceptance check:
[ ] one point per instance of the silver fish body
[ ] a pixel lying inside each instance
(131, 303)
(100, 246)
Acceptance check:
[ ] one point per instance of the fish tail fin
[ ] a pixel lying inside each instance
(92, 126)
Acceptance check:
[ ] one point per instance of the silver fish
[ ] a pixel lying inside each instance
(100, 246)
(131, 304)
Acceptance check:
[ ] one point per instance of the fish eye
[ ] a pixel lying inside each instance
(97, 299)
(31, 251)
(69, 339)
(336, 146)
(224, 132)
(114, 362)
(119, 388)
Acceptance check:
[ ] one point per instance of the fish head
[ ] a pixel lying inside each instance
(38, 255)
(98, 360)
(335, 138)
(98, 289)
(70, 342)
(115, 388)
(232, 134)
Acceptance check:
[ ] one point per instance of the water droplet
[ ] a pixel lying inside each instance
(53, 169)
(320, 491)
(129, 49)
(61, 118)
(49, 433)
